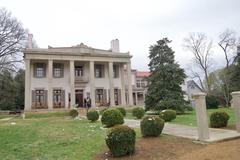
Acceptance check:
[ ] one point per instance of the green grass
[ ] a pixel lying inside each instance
(6, 116)
(189, 118)
(50, 138)
(46, 115)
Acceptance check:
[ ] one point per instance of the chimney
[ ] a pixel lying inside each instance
(30, 39)
(115, 45)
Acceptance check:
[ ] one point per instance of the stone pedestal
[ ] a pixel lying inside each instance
(236, 106)
(201, 112)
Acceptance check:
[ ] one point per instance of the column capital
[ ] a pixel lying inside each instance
(199, 95)
(237, 93)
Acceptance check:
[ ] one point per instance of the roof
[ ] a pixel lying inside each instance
(142, 74)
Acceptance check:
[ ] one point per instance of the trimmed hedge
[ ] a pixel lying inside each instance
(101, 111)
(219, 119)
(168, 115)
(112, 117)
(121, 140)
(73, 113)
(138, 112)
(151, 126)
(122, 110)
(92, 115)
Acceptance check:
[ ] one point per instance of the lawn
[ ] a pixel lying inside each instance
(50, 138)
(189, 118)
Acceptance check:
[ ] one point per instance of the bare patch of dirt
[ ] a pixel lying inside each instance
(160, 148)
(228, 150)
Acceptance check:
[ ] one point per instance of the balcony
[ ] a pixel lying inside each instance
(81, 79)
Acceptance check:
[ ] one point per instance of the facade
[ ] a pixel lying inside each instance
(62, 77)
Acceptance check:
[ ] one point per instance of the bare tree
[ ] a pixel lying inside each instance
(228, 42)
(12, 40)
(201, 47)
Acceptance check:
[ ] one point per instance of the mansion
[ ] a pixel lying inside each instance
(62, 77)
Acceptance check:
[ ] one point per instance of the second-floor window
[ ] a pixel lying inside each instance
(115, 71)
(99, 71)
(39, 70)
(78, 71)
(58, 70)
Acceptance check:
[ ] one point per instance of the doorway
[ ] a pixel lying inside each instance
(79, 98)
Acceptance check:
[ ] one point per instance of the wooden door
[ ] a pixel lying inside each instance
(79, 98)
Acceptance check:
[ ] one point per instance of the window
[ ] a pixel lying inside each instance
(99, 95)
(138, 83)
(99, 71)
(78, 71)
(39, 96)
(58, 98)
(58, 70)
(115, 71)
(39, 70)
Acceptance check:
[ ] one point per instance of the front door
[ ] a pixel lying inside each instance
(79, 98)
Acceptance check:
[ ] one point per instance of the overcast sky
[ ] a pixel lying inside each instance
(136, 23)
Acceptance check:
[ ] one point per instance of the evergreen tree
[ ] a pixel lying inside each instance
(19, 81)
(164, 90)
(7, 91)
(235, 75)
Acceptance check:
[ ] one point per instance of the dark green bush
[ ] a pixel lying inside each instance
(212, 102)
(151, 126)
(112, 117)
(73, 113)
(138, 112)
(188, 108)
(168, 115)
(121, 140)
(101, 111)
(92, 115)
(122, 110)
(219, 119)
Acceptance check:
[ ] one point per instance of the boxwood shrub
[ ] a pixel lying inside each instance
(102, 110)
(121, 140)
(138, 112)
(168, 115)
(151, 126)
(112, 117)
(73, 113)
(219, 119)
(92, 115)
(122, 110)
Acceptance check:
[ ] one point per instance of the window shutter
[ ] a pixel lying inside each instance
(119, 96)
(62, 70)
(46, 98)
(96, 96)
(34, 70)
(33, 98)
(44, 70)
(105, 96)
(103, 73)
(63, 98)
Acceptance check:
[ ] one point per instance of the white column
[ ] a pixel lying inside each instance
(136, 98)
(129, 77)
(202, 119)
(28, 94)
(50, 91)
(111, 85)
(92, 83)
(144, 96)
(236, 106)
(72, 79)
(123, 91)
